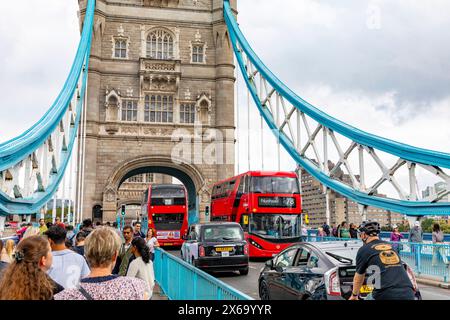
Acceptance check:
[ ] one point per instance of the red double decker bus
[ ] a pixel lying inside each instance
(266, 204)
(166, 207)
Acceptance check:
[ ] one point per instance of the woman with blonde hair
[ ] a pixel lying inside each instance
(7, 254)
(101, 249)
(26, 278)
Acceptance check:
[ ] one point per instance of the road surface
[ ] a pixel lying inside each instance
(249, 284)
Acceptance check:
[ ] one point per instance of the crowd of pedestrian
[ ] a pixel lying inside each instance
(58, 261)
(342, 230)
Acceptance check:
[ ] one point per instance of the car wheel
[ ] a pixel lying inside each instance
(264, 290)
(244, 272)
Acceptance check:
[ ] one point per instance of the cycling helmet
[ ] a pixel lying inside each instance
(371, 228)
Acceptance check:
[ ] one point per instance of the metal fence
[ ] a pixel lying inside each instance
(182, 281)
(424, 258)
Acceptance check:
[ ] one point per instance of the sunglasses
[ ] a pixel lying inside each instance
(126, 232)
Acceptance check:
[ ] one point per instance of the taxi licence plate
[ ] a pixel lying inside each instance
(366, 289)
(168, 244)
(224, 249)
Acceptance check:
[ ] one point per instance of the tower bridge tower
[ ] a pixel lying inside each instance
(160, 99)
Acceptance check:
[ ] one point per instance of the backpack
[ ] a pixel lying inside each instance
(335, 232)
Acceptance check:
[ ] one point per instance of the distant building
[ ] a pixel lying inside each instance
(341, 208)
(431, 192)
(131, 191)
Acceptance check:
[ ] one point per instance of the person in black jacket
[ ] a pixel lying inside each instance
(353, 231)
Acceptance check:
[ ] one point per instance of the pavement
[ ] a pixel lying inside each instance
(158, 294)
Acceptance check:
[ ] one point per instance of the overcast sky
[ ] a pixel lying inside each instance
(381, 65)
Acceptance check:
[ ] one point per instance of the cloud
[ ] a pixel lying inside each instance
(39, 41)
(340, 48)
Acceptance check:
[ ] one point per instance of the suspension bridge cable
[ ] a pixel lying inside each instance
(237, 117)
(248, 129)
(278, 136)
(84, 153)
(262, 143)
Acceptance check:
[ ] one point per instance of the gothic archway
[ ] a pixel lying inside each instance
(188, 174)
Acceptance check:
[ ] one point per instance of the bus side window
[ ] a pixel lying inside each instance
(240, 190)
(247, 184)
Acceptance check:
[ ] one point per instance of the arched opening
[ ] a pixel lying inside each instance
(186, 173)
(97, 213)
(204, 112)
(180, 175)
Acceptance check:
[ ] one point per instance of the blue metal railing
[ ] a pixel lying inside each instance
(386, 235)
(426, 259)
(182, 281)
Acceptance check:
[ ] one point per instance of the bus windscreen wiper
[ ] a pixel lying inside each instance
(340, 258)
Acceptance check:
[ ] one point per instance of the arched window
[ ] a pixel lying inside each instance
(120, 49)
(198, 54)
(160, 45)
(158, 109)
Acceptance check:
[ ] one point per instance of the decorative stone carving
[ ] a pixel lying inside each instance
(198, 36)
(110, 194)
(187, 94)
(161, 3)
(121, 31)
(113, 102)
(204, 108)
(148, 66)
(129, 130)
(157, 75)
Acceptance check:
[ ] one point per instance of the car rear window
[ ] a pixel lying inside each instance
(223, 233)
(349, 253)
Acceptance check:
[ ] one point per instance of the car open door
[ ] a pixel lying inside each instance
(276, 277)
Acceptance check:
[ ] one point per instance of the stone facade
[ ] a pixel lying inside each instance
(128, 133)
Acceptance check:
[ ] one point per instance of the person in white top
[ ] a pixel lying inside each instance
(142, 266)
(152, 242)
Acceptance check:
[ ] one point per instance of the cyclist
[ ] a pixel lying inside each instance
(383, 265)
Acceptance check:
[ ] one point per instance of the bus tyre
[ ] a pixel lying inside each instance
(244, 272)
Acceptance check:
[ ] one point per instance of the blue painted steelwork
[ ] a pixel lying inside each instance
(182, 281)
(17, 149)
(386, 235)
(427, 157)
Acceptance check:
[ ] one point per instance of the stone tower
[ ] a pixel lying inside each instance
(160, 99)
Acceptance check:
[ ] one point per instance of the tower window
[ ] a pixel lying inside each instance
(160, 45)
(120, 49)
(129, 110)
(198, 54)
(158, 108)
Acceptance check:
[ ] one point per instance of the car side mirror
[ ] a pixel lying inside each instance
(269, 263)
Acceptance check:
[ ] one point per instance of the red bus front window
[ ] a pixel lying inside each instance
(275, 226)
(274, 185)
